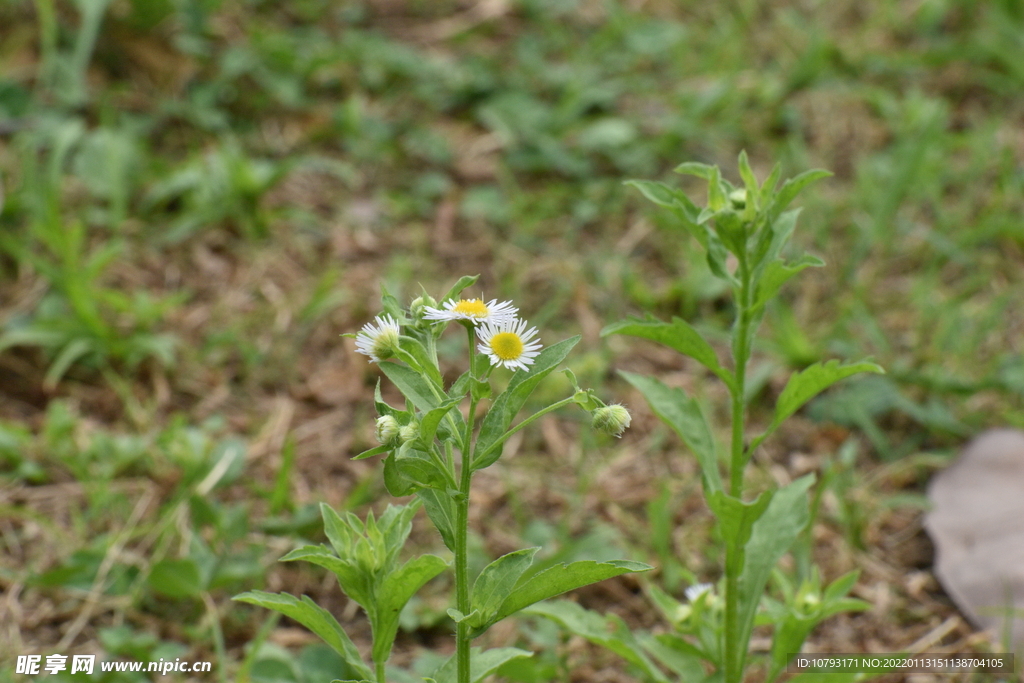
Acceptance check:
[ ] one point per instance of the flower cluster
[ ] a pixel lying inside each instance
(502, 337)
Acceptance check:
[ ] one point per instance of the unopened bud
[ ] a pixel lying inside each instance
(738, 199)
(612, 420)
(387, 430)
(419, 305)
(409, 432)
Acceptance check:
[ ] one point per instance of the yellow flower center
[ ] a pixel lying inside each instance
(507, 345)
(473, 307)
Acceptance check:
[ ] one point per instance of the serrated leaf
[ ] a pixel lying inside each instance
(678, 335)
(481, 664)
(595, 628)
(394, 592)
(683, 414)
(808, 383)
(508, 404)
(495, 583)
(316, 619)
(560, 579)
(419, 468)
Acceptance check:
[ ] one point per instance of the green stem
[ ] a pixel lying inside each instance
(735, 651)
(379, 666)
(539, 414)
(462, 600)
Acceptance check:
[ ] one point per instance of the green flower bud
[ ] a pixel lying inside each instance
(409, 432)
(420, 305)
(738, 198)
(387, 430)
(612, 420)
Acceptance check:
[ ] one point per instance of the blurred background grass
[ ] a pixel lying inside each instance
(201, 195)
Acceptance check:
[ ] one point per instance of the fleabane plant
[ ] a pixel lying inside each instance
(743, 231)
(432, 445)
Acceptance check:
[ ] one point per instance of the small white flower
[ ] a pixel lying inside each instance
(508, 343)
(697, 590)
(474, 310)
(379, 341)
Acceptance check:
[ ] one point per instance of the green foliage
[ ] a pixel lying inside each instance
(419, 443)
(751, 226)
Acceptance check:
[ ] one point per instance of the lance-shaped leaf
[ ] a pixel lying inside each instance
(316, 619)
(683, 414)
(791, 188)
(772, 536)
(411, 384)
(441, 510)
(595, 628)
(432, 418)
(481, 664)
(509, 402)
(464, 282)
(678, 335)
(737, 519)
(419, 468)
(557, 580)
(354, 583)
(777, 273)
(397, 484)
(395, 591)
(495, 583)
(805, 385)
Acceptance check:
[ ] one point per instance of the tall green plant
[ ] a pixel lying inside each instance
(743, 231)
(420, 441)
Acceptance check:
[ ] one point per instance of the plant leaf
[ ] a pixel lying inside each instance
(411, 384)
(510, 402)
(481, 664)
(737, 520)
(791, 188)
(678, 335)
(771, 537)
(394, 592)
(441, 511)
(316, 619)
(176, 578)
(595, 628)
(684, 415)
(495, 583)
(808, 383)
(558, 580)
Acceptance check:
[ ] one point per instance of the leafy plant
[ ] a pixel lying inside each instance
(743, 231)
(420, 442)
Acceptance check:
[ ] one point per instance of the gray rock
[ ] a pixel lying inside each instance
(977, 526)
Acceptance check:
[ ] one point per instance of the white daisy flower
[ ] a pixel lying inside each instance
(508, 343)
(474, 310)
(379, 341)
(697, 590)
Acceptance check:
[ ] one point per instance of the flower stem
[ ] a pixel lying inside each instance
(462, 602)
(735, 651)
